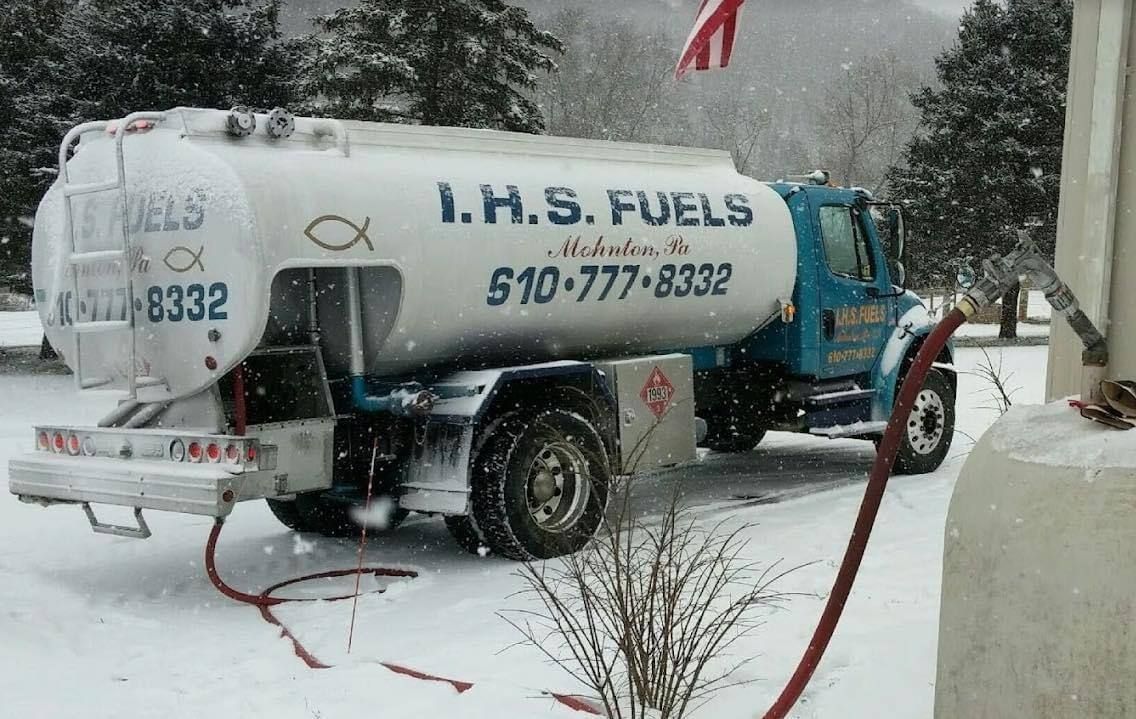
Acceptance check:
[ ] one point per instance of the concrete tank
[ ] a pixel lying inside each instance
(475, 246)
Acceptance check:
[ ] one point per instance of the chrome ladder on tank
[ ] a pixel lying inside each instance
(76, 259)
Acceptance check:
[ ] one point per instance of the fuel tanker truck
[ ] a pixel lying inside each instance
(487, 326)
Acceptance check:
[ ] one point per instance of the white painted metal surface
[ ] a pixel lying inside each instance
(208, 209)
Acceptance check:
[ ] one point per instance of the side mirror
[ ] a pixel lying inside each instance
(898, 232)
(898, 273)
(966, 277)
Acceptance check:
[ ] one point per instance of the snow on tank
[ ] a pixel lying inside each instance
(477, 247)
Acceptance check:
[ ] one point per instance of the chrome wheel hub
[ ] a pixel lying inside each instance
(926, 424)
(558, 489)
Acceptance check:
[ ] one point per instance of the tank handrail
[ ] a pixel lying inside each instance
(70, 137)
(322, 127)
(120, 158)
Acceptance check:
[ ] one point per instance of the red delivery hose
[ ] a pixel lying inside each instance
(869, 508)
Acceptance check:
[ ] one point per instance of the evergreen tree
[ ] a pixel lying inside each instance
(465, 63)
(31, 124)
(124, 55)
(64, 61)
(987, 161)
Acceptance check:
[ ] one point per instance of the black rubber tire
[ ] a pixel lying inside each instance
(500, 483)
(465, 533)
(313, 512)
(726, 432)
(909, 459)
(287, 513)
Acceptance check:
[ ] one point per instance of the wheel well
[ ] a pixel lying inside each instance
(944, 358)
(573, 393)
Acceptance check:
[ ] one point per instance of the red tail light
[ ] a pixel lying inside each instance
(250, 455)
(213, 452)
(194, 451)
(58, 443)
(73, 444)
(43, 441)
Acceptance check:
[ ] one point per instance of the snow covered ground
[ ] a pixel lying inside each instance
(102, 626)
(991, 331)
(20, 328)
(1037, 309)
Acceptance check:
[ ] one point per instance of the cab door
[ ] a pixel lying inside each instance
(855, 293)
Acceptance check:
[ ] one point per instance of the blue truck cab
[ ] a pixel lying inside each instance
(833, 363)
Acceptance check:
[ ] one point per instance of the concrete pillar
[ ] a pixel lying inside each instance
(1038, 614)
(1096, 234)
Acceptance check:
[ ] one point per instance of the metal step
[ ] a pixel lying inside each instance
(855, 429)
(90, 258)
(142, 531)
(88, 188)
(95, 382)
(846, 395)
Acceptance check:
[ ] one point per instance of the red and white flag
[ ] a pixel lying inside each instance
(712, 40)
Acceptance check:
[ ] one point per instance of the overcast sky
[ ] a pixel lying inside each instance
(954, 7)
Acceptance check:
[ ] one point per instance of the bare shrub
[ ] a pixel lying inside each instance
(645, 615)
(998, 379)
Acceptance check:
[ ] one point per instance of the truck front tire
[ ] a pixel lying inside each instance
(930, 427)
(539, 487)
(734, 442)
(728, 432)
(464, 532)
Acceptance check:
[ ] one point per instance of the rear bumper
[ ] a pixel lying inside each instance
(202, 489)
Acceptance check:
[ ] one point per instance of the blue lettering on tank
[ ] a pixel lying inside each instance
(649, 217)
(194, 210)
(566, 211)
(708, 218)
(655, 209)
(741, 213)
(446, 195)
(153, 212)
(684, 205)
(512, 201)
(170, 223)
(618, 206)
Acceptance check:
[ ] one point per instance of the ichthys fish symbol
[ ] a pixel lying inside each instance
(183, 259)
(360, 233)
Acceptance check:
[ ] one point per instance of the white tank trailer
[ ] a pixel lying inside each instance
(282, 299)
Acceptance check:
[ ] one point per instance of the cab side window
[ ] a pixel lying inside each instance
(845, 244)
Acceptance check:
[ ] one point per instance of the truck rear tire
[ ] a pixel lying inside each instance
(540, 485)
(287, 513)
(930, 427)
(314, 512)
(465, 533)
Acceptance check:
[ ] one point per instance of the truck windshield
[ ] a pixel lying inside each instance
(845, 245)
